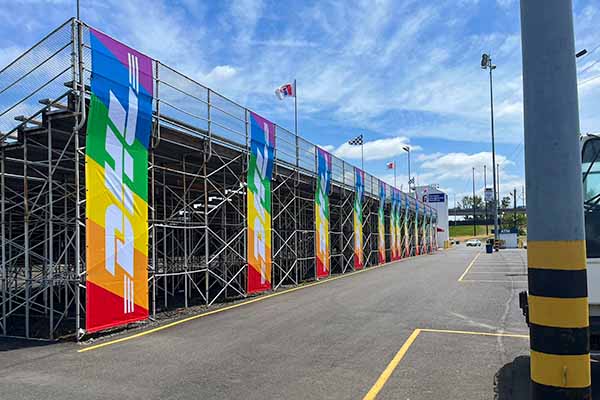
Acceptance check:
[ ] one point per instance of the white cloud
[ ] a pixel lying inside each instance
(458, 165)
(283, 43)
(505, 3)
(509, 108)
(380, 149)
(8, 54)
(221, 72)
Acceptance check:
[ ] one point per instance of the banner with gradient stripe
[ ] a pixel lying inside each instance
(417, 228)
(323, 250)
(359, 183)
(260, 171)
(393, 216)
(381, 223)
(116, 172)
(322, 243)
(397, 235)
(406, 239)
(426, 236)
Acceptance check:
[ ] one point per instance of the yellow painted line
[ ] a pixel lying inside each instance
(558, 254)
(469, 267)
(501, 334)
(387, 372)
(231, 307)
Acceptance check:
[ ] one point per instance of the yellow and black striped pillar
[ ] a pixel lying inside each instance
(558, 302)
(559, 320)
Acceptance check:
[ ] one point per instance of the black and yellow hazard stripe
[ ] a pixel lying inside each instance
(559, 320)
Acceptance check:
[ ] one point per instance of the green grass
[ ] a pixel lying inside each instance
(467, 230)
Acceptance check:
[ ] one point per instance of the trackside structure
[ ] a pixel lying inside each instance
(128, 189)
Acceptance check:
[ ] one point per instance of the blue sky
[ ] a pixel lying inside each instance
(399, 72)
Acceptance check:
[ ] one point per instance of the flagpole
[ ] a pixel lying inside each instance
(394, 173)
(362, 153)
(295, 108)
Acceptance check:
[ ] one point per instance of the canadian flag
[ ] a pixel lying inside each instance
(391, 165)
(286, 90)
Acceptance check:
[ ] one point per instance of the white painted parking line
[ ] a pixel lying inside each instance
(503, 267)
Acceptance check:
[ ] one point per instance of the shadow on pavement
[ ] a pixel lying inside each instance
(9, 344)
(512, 380)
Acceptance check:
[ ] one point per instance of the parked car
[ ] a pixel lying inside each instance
(473, 242)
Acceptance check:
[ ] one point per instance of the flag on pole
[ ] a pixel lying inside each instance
(391, 165)
(286, 90)
(357, 141)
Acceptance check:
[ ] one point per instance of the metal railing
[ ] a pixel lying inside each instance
(40, 73)
(47, 70)
(188, 105)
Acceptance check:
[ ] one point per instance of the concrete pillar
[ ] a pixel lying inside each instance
(558, 304)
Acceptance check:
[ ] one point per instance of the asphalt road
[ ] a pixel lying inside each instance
(330, 341)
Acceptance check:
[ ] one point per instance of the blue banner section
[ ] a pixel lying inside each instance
(122, 79)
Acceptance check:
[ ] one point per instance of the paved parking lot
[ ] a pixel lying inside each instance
(508, 265)
(454, 365)
(408, 330)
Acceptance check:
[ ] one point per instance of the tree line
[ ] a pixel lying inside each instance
(507, 220)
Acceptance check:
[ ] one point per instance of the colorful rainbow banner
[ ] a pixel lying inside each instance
(393, 215)
(406, 239)
(434, 232)
(322, 244)
(381, 223)
(116, 172)
(358, 231)
(397, 234)
(260, 171)
(416, 228)
(428, 247)
(424, 231)
(429, 237)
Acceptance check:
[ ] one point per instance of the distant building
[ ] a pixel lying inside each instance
(437, 200)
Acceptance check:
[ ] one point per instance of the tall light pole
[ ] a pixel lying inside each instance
(473, 205)
(487, 232)
(486, 63)
(407, 149)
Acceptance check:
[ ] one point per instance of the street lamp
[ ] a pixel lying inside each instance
(486, 63)
(407, 149)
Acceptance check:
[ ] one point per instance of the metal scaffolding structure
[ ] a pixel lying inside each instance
(197, 208)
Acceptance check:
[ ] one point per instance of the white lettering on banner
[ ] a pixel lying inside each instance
(260, 243)
(357, 238)
(322, 237)
(121, 252)
(323, 183)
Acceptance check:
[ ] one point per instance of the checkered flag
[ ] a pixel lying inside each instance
(357, 141)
